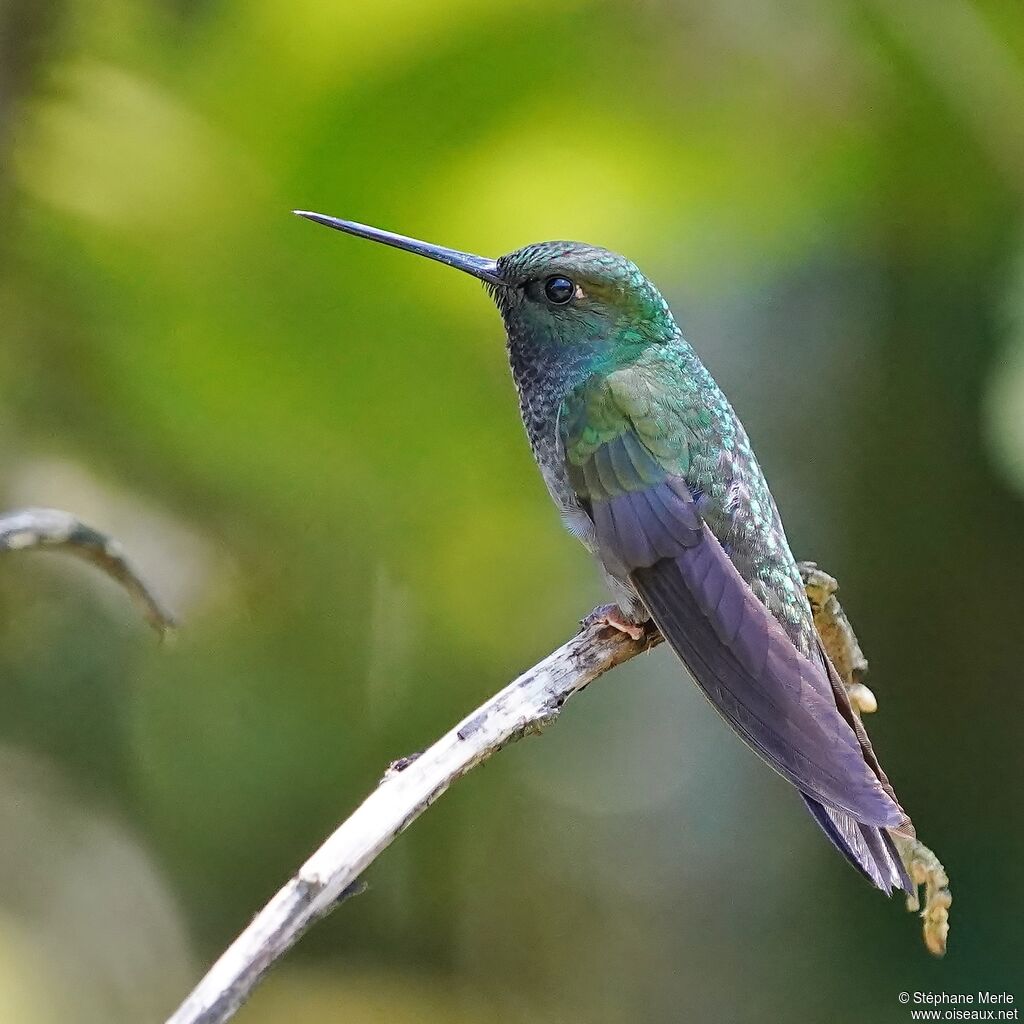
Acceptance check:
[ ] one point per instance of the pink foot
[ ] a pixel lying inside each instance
(612, 615)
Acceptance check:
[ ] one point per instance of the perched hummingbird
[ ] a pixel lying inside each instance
(652, 471)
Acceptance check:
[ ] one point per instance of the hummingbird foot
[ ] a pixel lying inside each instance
(612, 615)
(926, 870)
(838, 636)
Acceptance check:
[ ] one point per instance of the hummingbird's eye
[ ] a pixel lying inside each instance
(559, 290)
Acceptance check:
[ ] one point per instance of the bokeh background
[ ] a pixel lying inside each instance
(310, 445)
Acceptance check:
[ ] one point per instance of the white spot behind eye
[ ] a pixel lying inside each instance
(579, 293)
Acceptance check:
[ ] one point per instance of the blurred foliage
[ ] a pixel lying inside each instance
(310, 444)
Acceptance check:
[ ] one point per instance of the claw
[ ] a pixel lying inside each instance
(841, 645)
(925, 869)
(862, 698)
(612, 615)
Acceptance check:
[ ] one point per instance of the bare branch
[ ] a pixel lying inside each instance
(411, 785)
(408, 788)
(50, 528)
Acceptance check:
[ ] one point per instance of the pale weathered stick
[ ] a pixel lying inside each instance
(50, 528)
(406, 791)
(412, 785)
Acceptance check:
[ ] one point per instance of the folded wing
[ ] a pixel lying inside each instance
(629, 470)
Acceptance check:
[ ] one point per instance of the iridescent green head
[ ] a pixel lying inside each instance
(576, 293)
(558, 293)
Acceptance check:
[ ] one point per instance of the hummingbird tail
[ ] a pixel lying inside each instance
(869, 849)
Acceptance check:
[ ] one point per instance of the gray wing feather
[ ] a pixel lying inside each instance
(779, 702)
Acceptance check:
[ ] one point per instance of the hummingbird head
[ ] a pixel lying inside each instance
(573, 294)
(558, 296)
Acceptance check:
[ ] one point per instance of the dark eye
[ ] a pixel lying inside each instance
(559, 290)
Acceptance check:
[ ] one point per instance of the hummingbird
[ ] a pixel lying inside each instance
(651, 469)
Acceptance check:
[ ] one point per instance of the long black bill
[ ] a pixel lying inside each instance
(478, 266)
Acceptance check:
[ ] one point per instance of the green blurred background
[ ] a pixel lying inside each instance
(310, 445)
